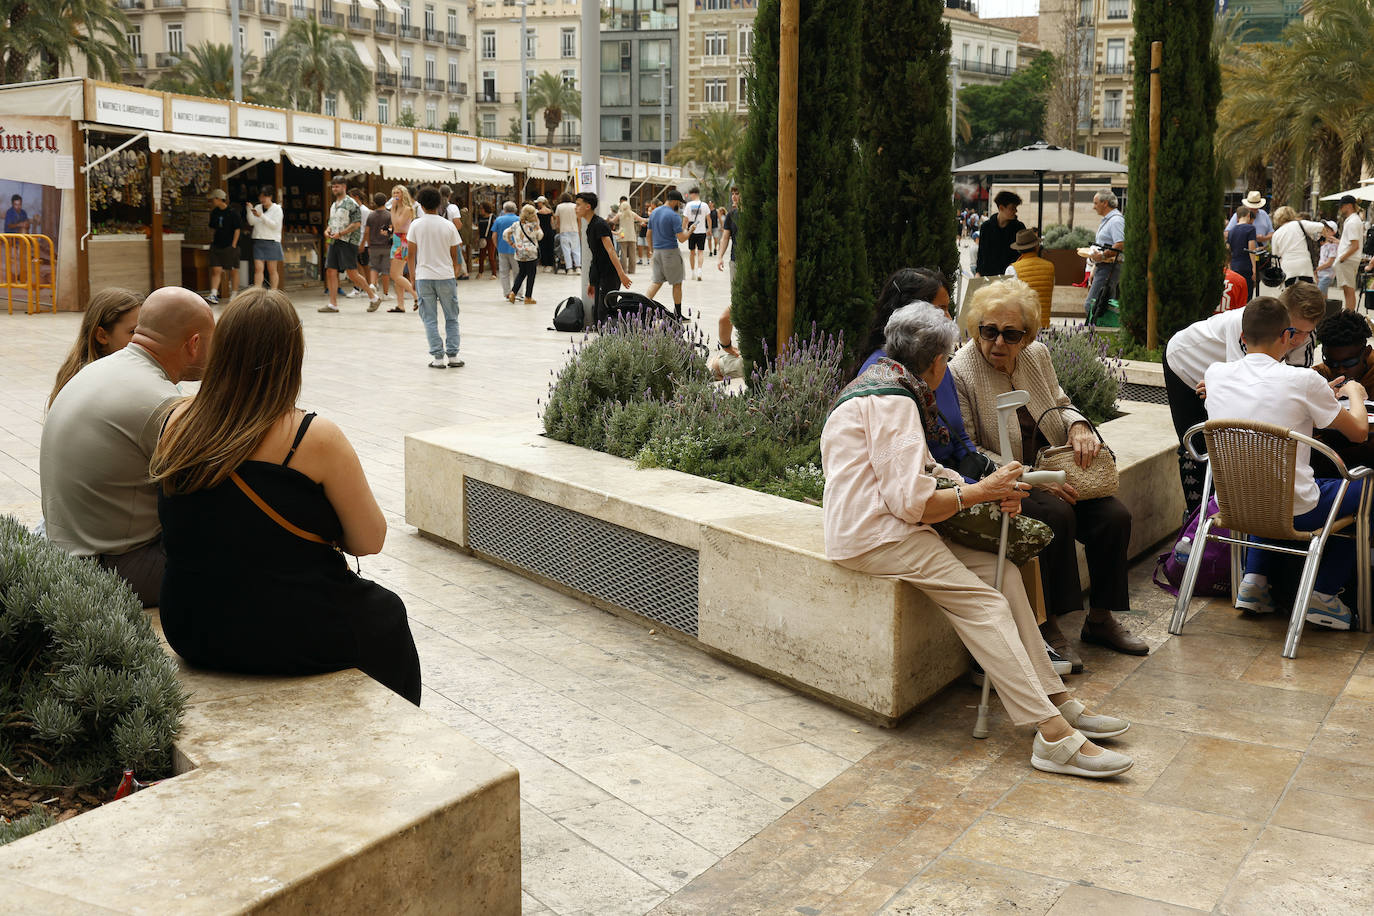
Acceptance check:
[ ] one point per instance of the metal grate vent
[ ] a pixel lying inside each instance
(1150, 394)
(630, 570)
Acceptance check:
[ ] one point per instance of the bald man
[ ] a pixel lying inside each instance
(99, 437)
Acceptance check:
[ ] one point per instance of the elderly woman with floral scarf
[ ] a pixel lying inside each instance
(881, 501)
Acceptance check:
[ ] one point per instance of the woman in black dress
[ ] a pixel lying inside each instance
(547, 243)
(257, 503)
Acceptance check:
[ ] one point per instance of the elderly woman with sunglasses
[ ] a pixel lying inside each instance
(1003, 355)
(882, 497)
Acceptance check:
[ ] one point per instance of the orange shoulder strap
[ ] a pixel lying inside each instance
(273, 514)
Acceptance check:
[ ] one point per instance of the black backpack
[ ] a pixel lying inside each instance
(568, 315)
(624, 304)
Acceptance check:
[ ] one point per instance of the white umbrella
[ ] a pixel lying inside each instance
(1364, 193)
(1041, 159)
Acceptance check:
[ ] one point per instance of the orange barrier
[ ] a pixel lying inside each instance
(21, 256)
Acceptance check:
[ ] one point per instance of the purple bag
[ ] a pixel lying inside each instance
(1213, 577)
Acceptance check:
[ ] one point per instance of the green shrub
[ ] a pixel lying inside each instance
(85, 687)
(1059, 236)
(34, 821)
(1087, 373)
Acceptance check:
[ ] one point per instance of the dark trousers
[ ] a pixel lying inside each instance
(599, 308)
(141, 567)
(525, 274)
(1106, 275)
(1187, 410)
(1103, 527)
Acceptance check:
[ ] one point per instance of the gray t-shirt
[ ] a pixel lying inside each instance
(93, 460)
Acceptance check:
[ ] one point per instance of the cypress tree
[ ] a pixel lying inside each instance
(833, 288)
(909, 217)
(1190, 261)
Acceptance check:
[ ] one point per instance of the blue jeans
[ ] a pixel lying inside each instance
(1338, 557)
(432, 294)
(572, 250)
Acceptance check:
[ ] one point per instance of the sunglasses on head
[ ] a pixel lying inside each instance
(991, 332)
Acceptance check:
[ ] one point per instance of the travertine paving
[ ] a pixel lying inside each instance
(655, 776)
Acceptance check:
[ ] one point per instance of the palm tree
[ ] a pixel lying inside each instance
(711, 143)
(557, 98)
(39, 40)
(312, 59)
(208, 70)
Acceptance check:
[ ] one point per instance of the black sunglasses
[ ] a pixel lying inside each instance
(991, 332)
(1350, 363)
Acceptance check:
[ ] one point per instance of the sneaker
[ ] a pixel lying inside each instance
(438, 363)
(328, 308)
(1063, 756)
(1256, 598)
(1059, 663)
(354, 293)
(1329, 611)
(529, 301)
(454, 362)
(212, 299)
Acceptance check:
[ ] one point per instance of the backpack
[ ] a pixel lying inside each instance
(1213, 576)
(568, 316)
(1369, 240)
(623, 304)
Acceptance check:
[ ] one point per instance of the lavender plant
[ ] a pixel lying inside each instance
(1087, 371)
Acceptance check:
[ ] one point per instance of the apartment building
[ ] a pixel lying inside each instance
(417, 50)
(553, 43)
(1099, 33)
(717, 38)
(639, 57)
(981, 51)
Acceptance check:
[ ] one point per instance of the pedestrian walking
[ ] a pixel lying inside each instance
(225, 227)
(565, 221)
(729, 235)
(344, 231)
(667, 228)
(1242, 244)
(1105, 254)
(547, 259)
(607, 273)
(697, 215)
(486, 242)
(454, 214)
(1348, 249)
(434, 259)
(377, 241)
(627, 223)
(266, 218)
(364, 256)
(523, 237)
(403, 213)
(504, 252)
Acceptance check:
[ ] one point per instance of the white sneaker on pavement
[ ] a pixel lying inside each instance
(438, 363)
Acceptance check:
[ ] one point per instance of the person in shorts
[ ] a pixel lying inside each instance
(225, 227)
(266, 218)
(1348, 249)
(344, 231)
(666, 229)
(697, 215)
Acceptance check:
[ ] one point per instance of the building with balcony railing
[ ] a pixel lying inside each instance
(718, 38)
(553, 44)
(982, 52)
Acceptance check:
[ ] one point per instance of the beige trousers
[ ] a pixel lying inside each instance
(1000, 631)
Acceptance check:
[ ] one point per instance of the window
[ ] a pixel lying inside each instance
(453, 70)
(1118, 9)
(716, 4)
(452, 27)
(715, 91)
(298, 9)
(430, 67)
(489, 84)
(174, 36)
(405, 14)
(243, 42)
(655, 52)
(615, 57)
(488, 44)
(717, 44)
(529, 79)
(531, 42)
(453, 115)
(135, 39)
(331, 103)
(1085, 11)
(1111, 153)
(615, 89)
(743, 91)
(649, 128)
(978, 54)
(407, 107)
(431, 114)
(616, 128)
(964, 57)
(649, 88)
(269, 41)
(383, 110)
(431, 23)
(995, 54)
(1116, 55)
(569, 78)
(405, 65)
(488, 124)
(567, 42)
(1111, 108)
(746, 41)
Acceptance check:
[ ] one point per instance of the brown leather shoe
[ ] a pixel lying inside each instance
(1113, 635)
(1056, 640)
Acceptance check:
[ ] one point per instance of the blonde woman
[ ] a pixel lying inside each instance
(403, 212)
(1289, 245)
(107, 326)
(626, 226)
(524, 236)
(256, 504)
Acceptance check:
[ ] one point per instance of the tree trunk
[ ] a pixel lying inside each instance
(1073, 197)
(15, 63)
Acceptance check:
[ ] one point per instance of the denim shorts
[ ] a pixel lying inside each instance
(267, 250)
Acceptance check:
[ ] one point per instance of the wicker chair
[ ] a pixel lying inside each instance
(1253, 466)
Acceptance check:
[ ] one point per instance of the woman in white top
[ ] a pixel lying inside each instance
(1289, 245)
(266, 218)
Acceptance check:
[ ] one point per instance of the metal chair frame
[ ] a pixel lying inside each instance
(1316, 540)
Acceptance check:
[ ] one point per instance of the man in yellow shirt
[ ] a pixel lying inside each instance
(1033, 270)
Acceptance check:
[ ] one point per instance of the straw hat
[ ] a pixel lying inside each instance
(1254, 200)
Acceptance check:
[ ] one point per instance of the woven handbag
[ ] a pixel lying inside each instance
(1097, 480)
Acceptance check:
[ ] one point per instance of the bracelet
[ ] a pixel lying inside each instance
(959, 499)
(723, 345)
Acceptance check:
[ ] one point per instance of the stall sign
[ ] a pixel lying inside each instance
(558, 162)
(641, 170)
(261, 124)
(398, 141)
(464, 148)
(434, 146)
(612, 167)
(312, 131)
(541, 159)
(128, 109)
(35, 151)
(192, 117)
(361, 137)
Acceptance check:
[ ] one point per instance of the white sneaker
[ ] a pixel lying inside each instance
(438, 363)
(354, 293)
(1063, 756)
(212, 298)
(1329, 611)
(454, 362)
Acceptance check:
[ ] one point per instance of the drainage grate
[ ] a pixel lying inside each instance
(630, 570)
(1150, 394)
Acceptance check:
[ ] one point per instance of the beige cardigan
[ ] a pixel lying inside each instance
(979, 385)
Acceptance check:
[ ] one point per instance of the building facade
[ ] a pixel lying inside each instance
(717, 38)
(981, 52)
(639, 57)
(553, 44)
(1099, 34)
(417, 50)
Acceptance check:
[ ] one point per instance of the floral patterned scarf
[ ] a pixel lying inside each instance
(889, 377)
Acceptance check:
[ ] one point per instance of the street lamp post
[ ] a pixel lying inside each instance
(663, 90)
(953, 109)
(524, 80)
(237, 48)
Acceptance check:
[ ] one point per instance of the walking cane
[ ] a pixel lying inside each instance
(1007, 405)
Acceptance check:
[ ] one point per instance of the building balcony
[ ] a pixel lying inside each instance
(456, 40)
(137, 62)
(245, 6)
(359, 24)
(302, 11)
(410, 82)
(978, 66)
(1118, 15)
(1116, 69)
(436, 36)
(331, 19)
(386, 80)
(273, 8)
(169, 4)
(410, 31)
(1115, 122)
(457, 88)
(485, 97)
(433, 85)
(382, 27)
(163, 61)
(131, 4)
(715, 60)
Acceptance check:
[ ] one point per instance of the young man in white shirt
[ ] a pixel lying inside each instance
(1260, 387)
(696, 213)
(1348, 249)
(433, 259)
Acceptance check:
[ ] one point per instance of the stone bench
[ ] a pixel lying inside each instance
(739, 573)
(318, 794)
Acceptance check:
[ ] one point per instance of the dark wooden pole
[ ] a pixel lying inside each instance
(155, 230)
(1151, 296)
(787, 169)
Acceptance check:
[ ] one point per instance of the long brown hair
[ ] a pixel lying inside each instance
(102, 312)
(252, 380)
